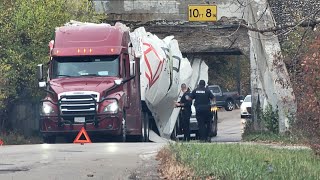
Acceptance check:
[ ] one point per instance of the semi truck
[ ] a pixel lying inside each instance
(110, 81)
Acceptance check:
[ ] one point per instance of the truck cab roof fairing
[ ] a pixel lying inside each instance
(87, 36)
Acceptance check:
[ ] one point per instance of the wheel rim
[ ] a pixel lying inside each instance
(230, 105)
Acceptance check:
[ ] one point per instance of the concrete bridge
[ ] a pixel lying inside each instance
(270, 83)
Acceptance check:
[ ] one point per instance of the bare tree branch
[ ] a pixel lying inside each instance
(307, 23)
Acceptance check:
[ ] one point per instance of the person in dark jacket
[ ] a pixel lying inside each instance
(185, 113)
(202, 97)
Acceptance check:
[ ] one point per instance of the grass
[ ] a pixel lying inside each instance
(15, 138)
(236, 161)
(269, 137)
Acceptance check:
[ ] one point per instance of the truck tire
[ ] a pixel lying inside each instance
(229, 105)
(124, 127)
(145, 127)
(49, 139)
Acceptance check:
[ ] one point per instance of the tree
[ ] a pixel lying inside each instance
(26, 28)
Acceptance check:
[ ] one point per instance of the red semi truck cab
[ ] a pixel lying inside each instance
(92, 82)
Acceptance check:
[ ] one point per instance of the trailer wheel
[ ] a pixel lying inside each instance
(145, 127)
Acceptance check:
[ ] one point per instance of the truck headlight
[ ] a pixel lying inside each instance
(46, 109)
(112, 108)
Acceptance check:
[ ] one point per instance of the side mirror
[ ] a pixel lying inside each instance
(40, 72)
(42, 84)
(132, 68)
(118, 81)
(241, 101)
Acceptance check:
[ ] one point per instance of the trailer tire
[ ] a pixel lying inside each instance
(145, 127)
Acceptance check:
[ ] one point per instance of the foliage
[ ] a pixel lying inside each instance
(307, 91)
(270, 118)
(240, 161)
(26, 28)
(223, 71)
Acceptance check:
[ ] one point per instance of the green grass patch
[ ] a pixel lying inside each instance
(236, 161)
(269, 137)
(15, 138)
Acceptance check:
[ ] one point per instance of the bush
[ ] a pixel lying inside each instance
(270, 119)
(307, 91)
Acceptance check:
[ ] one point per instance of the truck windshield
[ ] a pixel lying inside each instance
(85, 66)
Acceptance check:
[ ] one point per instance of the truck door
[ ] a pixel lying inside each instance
(126, 86)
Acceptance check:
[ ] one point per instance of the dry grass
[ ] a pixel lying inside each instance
(171, 169)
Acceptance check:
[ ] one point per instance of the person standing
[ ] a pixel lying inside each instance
(185, 113)
(202, 97)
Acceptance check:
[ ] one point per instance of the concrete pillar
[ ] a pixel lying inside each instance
(270, 79)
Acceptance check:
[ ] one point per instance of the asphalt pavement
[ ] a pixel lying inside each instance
(229, 126)
(97, 160)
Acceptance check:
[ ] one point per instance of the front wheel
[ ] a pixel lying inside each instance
(145, 127)
(49, 139)
(229, 106)
(124, 127)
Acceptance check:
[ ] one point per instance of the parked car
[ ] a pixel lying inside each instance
(245, 107)
(228, 99)
(194, 129)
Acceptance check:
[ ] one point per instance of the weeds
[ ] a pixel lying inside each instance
(270, 118)
(236, 161)
(15, 138)
(269, 137)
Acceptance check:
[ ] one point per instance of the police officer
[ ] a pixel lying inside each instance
(202, 104)
(185, 113)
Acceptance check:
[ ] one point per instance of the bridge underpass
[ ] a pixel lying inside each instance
(269, 84)
(169, 17)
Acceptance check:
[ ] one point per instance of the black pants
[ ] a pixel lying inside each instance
(203, 118)
(185, 116)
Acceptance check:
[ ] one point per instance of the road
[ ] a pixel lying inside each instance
(97, 161)
(229, 127)
(74, 161)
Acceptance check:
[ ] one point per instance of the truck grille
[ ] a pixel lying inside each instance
(78, 104)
